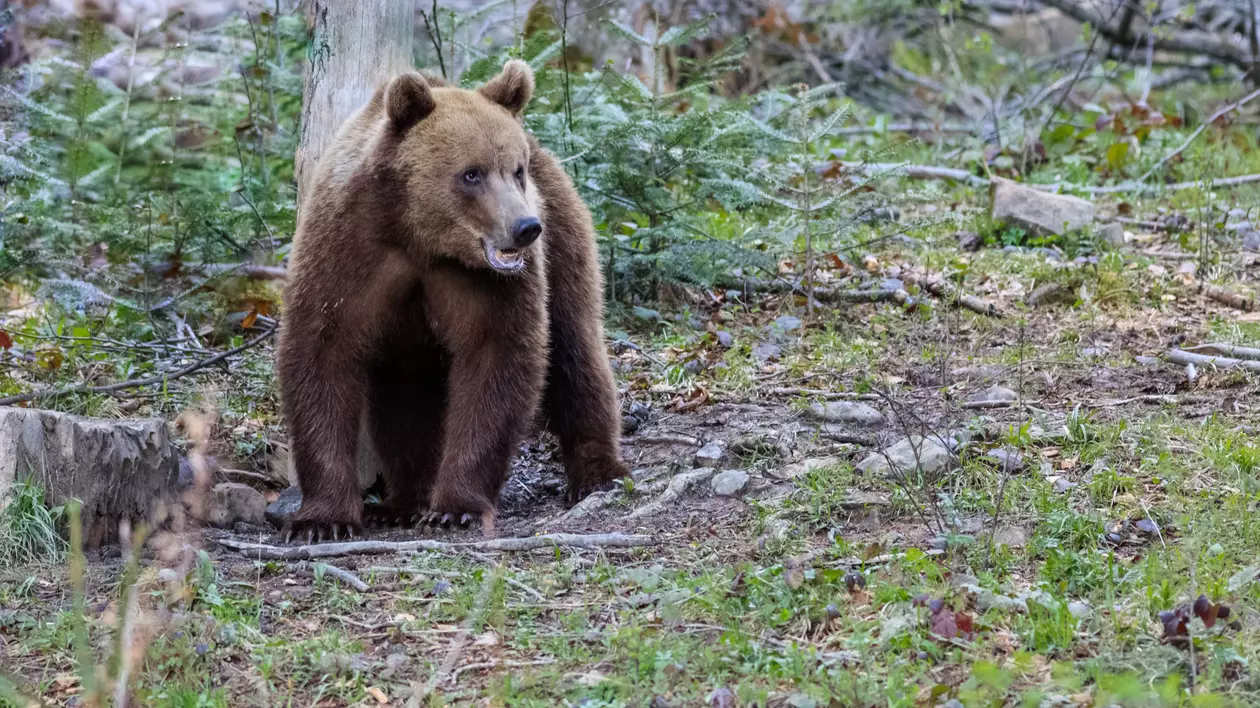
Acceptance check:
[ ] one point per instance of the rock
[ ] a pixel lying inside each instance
(1079, 609)
(797, 469)
(678, 486)
(969, 240)
(1048, 293)
(1062, 485)
(1112, 233)
(644, 314)
(1011, 537)
(640, 411)
(846, 412)
(232, 502)
(1007, 459)
(724, 338)
(757, 444)
(1037, 211)
(916, 453)
(629, 424)
(766, 351)
(693, 367)
(117, 469)
(994, 394)
(729, 483)
(710, 455)
(786, 323)
(285, 506)
(979, 373)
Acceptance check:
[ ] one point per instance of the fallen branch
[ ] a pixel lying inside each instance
(1202, 126)
(1183, 358)
(664, 439)
(344, 576)
(162, 379)
(945, 291)
(825, 395)
(875, 169)
(1194, 42)
(1230, 298)
(1150, 398)
(1225, 349)
(496, 665)
(958, 175)
(351, 548)
(983, 405)
(897, 295)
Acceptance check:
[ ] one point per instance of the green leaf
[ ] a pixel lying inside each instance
(547, 54)
(768, 131)
(1061, 133)
(842, 113)
(1116, 154)
(629, 34)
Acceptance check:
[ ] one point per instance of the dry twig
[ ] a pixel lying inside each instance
(162, 379)
(351, 548)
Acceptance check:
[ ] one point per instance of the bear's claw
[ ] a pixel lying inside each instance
(308, 532)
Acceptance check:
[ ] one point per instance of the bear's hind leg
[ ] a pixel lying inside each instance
(406, 406)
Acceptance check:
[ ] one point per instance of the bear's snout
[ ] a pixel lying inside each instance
(525, 231)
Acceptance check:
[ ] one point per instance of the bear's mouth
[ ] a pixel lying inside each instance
(508, 260)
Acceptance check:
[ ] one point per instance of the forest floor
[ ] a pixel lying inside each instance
(785, 567)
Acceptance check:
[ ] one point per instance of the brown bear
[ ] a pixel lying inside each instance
(444, 284)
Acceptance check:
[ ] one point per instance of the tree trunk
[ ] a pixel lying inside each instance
(356, 45)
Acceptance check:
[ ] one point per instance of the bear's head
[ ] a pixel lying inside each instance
(461, 159)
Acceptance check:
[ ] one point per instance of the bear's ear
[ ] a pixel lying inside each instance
(408, 100)
(512, 88)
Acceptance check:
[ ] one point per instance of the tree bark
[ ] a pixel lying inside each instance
(356, 45)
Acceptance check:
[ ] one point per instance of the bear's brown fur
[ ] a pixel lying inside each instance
(419, 298)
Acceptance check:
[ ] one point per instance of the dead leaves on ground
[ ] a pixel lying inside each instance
(1176, 622)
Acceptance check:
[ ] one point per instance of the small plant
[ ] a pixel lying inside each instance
(29, 529)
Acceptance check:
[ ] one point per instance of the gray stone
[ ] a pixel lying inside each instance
(1037, 211)
(678, 486)
(117, 469)
(994, 394)
(982, 373)
(729, 483)
(796, 469)
(1063, 484)
(911, 454)
(629, 424)
(969, 240)
(1011, 537)
(724, 338)
(757, 444)
(1112, 233)
(710, 455)
(233, 502)
(786, 323)
(1080, 610)
(644, 314)
(766, 351)
(846, 412)
(1007, 459)
(285, 506)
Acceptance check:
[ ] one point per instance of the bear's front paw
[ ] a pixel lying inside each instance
(590, 476)
(316, 531)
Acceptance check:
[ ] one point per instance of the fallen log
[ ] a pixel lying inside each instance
(1185, 358)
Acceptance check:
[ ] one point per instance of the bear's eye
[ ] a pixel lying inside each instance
(520, 174)
(472, 175)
